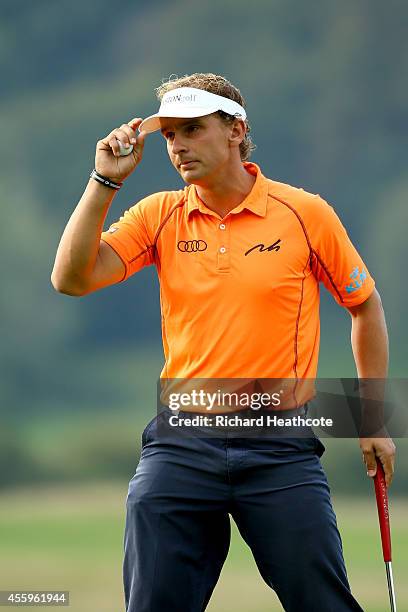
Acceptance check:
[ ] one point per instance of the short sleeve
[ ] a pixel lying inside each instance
(335, 260)
(130, 238)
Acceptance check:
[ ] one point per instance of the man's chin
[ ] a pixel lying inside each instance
(191, 176)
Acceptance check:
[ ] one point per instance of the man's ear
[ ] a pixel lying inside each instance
(238, 131)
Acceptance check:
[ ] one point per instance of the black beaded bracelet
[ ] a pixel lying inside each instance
(104, 180)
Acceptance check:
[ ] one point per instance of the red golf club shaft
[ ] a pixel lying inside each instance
(384, 519)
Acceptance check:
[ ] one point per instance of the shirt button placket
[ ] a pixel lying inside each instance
(223, 255)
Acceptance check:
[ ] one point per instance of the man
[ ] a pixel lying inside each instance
(239, 258)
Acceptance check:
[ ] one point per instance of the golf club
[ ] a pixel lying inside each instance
(384, 519)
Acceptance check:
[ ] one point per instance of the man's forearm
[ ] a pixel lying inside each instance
(79, 244)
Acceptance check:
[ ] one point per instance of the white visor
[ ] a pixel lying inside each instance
(186, 102)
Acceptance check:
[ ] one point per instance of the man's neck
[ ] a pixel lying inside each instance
(226, 192)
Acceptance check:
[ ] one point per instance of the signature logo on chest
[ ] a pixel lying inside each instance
(262, 248)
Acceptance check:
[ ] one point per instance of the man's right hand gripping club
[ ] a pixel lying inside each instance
(109, 161)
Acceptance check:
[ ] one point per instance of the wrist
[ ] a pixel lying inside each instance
(108, 182)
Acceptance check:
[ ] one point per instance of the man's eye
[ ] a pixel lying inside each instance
(193, 128)
(169, 135)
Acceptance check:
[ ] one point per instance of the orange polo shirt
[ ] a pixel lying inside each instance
(240, 295)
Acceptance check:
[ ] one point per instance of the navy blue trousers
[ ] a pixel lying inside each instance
(178, 521)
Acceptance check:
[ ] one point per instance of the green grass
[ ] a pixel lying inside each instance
(70, 538)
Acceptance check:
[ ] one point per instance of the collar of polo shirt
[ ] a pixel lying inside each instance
(187, 102)
(255, 201)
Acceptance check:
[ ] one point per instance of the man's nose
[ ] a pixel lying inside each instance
(178, 145)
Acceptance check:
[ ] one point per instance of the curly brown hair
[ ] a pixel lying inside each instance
(216, 84)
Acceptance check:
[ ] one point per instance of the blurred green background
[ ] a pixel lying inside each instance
(327, 96)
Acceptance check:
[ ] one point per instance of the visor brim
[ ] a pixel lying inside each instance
(152, 123)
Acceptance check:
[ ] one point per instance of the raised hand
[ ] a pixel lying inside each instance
(108, 159)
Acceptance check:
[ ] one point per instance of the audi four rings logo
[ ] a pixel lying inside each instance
(191, 246)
